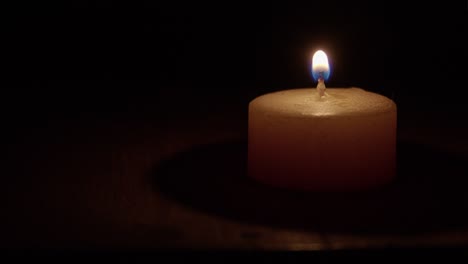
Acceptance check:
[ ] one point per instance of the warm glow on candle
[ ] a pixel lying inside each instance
(338, 139)
(320, 66)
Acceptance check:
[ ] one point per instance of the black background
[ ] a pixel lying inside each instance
(95, 57)
(95, 60)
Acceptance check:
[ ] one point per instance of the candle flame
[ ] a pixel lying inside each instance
(320, 66)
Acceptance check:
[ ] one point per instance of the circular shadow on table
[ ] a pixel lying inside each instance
(429, 193)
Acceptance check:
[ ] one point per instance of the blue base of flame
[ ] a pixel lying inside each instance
(317, 74)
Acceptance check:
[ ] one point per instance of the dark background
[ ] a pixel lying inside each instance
(170, 61)
(94, 57)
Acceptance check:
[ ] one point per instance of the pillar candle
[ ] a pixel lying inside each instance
(341, 139)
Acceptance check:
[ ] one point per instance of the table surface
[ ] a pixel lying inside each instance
(156, 183)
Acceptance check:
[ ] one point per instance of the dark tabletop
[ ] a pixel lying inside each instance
(132, 183)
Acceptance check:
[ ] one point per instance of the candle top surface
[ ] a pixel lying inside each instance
(338, 102)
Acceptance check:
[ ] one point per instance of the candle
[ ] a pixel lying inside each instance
(338, 139)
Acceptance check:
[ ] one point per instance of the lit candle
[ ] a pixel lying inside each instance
(322, 139)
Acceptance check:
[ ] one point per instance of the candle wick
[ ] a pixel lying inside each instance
(321, 88)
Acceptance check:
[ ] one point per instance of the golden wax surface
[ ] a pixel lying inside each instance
(344, 141)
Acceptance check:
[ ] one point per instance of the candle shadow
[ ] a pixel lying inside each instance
(429, 193)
